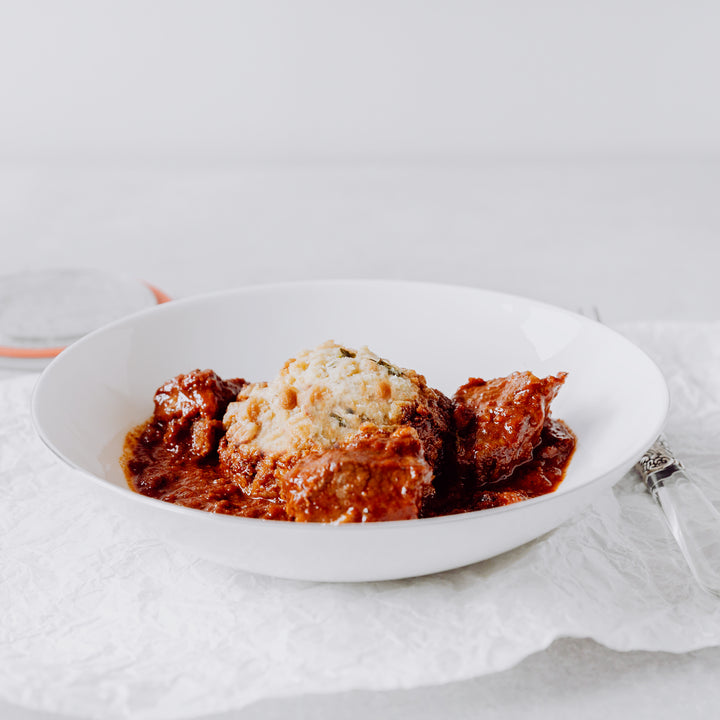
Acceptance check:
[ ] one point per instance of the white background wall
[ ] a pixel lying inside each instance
(563, 149)
(316, 78)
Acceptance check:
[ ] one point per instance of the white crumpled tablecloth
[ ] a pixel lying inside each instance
(101, 619)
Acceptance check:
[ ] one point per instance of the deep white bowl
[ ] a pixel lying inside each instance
(615, 399)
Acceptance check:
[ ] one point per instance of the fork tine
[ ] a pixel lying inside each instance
(590, 312)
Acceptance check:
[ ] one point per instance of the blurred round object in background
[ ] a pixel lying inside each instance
(42, 312)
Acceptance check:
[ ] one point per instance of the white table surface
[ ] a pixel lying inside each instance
(639, 239)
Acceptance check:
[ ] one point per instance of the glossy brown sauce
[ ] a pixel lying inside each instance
(172, 474)
(169, 472)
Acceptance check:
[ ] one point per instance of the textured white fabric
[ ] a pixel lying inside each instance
(101, 619)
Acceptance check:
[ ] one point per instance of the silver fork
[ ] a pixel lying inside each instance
(691, 517)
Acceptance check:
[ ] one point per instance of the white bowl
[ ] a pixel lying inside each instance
(615, 399)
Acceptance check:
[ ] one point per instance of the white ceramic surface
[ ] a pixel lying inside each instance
(615, 399)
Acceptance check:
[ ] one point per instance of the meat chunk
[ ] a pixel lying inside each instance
(190, 408)
(499, 422)
(433, 421)
(374, 476)
(557, 441)
(204, 436)
(536, 477)
(197, 394)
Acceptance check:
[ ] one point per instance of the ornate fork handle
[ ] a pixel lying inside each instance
(692, 518)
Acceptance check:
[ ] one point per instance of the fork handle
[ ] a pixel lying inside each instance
(692, 518)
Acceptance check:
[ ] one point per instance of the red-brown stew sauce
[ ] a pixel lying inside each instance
(505, 448)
